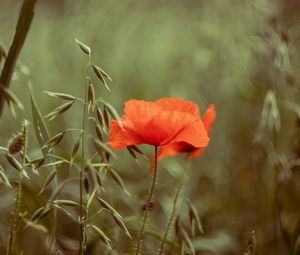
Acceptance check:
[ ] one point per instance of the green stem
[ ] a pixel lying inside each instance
(177, 193)
(18, 201)
(82, 221)
(140, 235)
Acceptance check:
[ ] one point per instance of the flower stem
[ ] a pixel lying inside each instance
(144, 222)
(177, 193)
(18, 201)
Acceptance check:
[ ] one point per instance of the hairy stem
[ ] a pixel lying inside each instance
(144, 222)
(173, 213)
(18, 200)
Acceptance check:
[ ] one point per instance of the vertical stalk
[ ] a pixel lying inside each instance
(82, 216)
(18, 201)
(177, 193)
(144, 222)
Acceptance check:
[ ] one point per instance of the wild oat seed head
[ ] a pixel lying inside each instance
(16, 143)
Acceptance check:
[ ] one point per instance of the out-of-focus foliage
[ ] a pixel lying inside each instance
(241, 55)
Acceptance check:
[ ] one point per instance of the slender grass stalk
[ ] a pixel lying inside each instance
(144, 222)
(173, 213)
(82, 215)
(18, 200)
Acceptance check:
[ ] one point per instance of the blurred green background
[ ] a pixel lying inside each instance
(243, 56)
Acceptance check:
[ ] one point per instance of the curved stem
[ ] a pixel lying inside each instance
(177, 193)
(148, 201)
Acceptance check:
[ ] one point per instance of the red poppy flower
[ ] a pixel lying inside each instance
(175, 148)
(165, 121)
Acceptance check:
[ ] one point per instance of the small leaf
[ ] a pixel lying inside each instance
(86, 49)
(40, 128)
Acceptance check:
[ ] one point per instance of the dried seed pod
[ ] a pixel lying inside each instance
(117, 178)
(37, 162)
(131, 152)
(49, 178)
(188, 241)
(101, 234)
(60, 95)
(121, 224)
(16, 143)
(99, 132)
(102, 147)
(86, 184)
(65, 202)
(90, 198)
(91, 94)
(100, 117)
(178, 227)
(76, 147)
(107, 206)
(13, 162)
(54, 140)
(101, 75)
(194, 217)
(35, 216)
(59, 110)
(106, 116)
(86, 49)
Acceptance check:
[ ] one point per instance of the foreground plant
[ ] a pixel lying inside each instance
(160, 123)
(96, 112)
(17, 144)
(191, 152)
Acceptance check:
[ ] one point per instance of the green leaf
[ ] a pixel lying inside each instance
(40, 128)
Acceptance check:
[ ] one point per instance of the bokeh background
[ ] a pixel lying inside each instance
(242, 56)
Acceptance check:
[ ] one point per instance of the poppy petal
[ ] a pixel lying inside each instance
(195, 135)
(155, 125)
(177, 104)
(121, 137)
(209, 117)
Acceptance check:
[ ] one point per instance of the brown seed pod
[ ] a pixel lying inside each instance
(16, 143)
